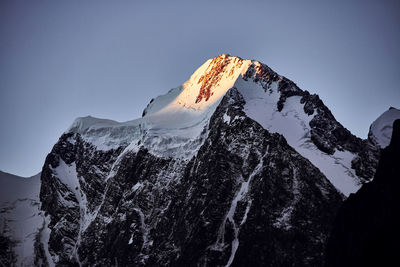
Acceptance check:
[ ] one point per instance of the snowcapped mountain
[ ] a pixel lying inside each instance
(175, 124)
(238, 166)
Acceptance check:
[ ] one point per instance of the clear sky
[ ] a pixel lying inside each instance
(63, 59)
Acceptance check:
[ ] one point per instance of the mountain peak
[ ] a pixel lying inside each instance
(215, 72)
(222, 70)
(210, 82)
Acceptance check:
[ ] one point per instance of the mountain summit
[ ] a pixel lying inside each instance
(236, 167)
(210, 82)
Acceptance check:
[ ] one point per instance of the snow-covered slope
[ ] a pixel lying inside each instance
(293, 123)
(174, 124)
(21, 220)
(381, 129)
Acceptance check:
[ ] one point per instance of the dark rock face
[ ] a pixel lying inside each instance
(366, 231)
(248, 188)
(246, 199)
(60, 202)
(366, 162)
(7, 255)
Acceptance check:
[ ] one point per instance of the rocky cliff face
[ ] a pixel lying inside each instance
(366, 230)
(238, 166)
(73, 185)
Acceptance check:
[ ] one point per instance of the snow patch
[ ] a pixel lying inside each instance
(44, 239)
(226, 118)
(145, 230)
(137, 186)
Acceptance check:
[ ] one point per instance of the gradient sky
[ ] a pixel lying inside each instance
(63, 59)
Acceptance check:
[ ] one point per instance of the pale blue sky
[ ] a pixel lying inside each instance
(63, 59)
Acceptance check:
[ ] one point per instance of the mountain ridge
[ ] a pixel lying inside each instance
(173, 120)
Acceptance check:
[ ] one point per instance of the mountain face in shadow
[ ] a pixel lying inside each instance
(367, 228)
